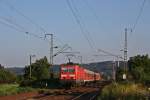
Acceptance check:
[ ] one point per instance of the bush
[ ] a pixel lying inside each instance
(19, 79)
(7, 76)
(129, 91)
(9, 89)
(45, 83)
(26, 83)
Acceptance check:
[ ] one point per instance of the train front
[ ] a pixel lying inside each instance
(67, 74)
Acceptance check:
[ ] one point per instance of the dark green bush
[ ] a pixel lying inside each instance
(26, 83)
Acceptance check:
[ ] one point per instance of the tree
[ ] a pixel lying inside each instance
(40, 70)
(119, 74)
(1, 67)
(139, 68)
(6, 76)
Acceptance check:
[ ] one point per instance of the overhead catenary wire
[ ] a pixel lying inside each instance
(93, 12)
(77, 19)
(23, 15)
(12, 23)
(84, 32)
(12, 7)
(28, 19)
(139, 15)
(17, 27)
(87, 32)
(10, 26)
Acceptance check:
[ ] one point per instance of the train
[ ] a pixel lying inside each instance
(76, 74)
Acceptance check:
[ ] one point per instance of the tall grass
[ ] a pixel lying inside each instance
(10, 89)
(128, 91)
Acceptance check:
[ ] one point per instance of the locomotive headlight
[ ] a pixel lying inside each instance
(72, 75)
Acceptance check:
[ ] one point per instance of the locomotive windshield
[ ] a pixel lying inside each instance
(64, 70)
(71, 70)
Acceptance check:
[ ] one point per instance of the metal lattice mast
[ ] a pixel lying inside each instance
(51, 48)
(125, 51)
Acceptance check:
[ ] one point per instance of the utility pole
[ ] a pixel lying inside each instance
(51, 54)
(125, 50)
(51, 48)
(80, 59)
(113, 70)
(30, 64)
(125, 54)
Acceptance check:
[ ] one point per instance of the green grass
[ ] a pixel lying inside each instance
(129, 91)
(10, 89)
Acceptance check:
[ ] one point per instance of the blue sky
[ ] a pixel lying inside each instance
(104, 19)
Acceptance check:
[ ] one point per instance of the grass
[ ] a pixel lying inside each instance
(11, 89)
(129, 91)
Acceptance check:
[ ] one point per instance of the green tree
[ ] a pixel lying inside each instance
(119, 74)
(39, 70)
(139, 68)
(7, 76)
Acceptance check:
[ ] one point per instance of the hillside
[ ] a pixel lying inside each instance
(101, 67)
(16, 70)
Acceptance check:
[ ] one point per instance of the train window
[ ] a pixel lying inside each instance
(64, 70)
(71, 70)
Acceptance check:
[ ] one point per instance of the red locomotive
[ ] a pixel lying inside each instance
(74, 73)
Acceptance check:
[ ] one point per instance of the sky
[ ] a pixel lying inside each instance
(102, 22)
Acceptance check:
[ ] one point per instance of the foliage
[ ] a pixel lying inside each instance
(128, 91)
(7, 76)
(19, 78)
(9, 89)
(39, 70)
(25, 83)
(139, 68)
(1, 67)
(46, 83)
(119, 74)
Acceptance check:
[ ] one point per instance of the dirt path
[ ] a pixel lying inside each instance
(59, 94)
(21, 96)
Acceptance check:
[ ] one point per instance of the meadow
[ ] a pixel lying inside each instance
(11, 89)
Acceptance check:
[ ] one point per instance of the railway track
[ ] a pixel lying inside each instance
(89, 92)
(87, 96)
(93, 94)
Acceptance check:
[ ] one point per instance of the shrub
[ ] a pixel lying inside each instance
(7, 76)
(9, 89)
(26, 83)
(130, 91)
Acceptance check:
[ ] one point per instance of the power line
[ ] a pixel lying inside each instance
(93, 12)
(139, 15)
(77, 19)
(18, 27)
(27, 18)
(81, 24)
(12, 23)
(10, 26)
(23, 15)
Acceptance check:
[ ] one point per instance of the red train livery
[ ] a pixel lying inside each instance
(77, 74)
